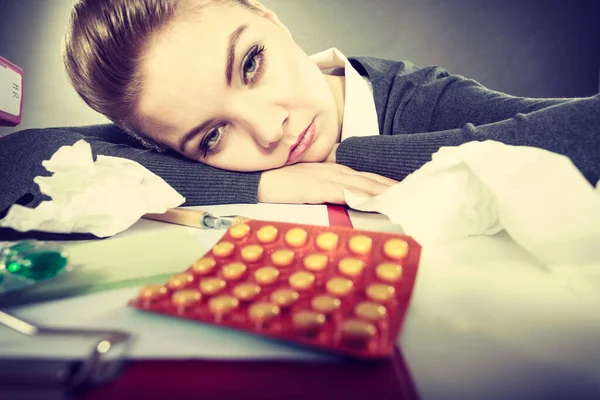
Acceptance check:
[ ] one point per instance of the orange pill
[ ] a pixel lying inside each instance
(380, 292)
(251, 253)
(267, 234)
(211, 286)
(204, 266)
(389, 272)
(185, 298)
(360, 244)
(308, 322)
(296, 237)
(325, 304)
(150, 293)
(223, 249)
(282, 258)
(395, 248)
(179, 281)
(266, 275)
(357, 333)
(222, 305)
(246, 291)
(233, 271)
(263, 311)
(284, 297)
(301, 280)
(370, 311)
(351, 266)
(339, 286)
(327, 241)
(315, 262)
(239, 231)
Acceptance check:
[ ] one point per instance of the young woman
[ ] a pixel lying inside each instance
(219, 100)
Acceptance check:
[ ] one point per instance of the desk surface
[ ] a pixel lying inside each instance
(486, 321)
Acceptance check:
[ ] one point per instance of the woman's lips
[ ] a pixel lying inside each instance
(304, 142)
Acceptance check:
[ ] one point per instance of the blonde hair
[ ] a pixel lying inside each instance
(104, 45)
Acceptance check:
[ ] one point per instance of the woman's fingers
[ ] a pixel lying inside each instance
(316, 183)
(367, 185)
(383, 179)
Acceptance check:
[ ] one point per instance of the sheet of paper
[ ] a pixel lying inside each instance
(118, 262)
(157, 336)
(488, 321)
(373, 222)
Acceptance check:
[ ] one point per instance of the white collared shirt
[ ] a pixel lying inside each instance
(360, 115)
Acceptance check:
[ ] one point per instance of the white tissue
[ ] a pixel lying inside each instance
(102, 198)
(480, 188)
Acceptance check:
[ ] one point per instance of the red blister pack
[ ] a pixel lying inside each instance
(335, 288)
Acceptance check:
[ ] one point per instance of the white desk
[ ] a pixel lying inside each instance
(486, 320)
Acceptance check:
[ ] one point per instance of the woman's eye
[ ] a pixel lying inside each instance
(250, 66)
(213, 137)
(253, 65)
(210, 142)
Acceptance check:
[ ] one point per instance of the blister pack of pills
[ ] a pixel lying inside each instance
(334, 288)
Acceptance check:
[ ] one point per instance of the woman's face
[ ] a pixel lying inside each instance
(233, 90)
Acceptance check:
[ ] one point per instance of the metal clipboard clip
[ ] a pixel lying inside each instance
(104, 362)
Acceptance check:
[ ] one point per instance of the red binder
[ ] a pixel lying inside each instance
(221, 380)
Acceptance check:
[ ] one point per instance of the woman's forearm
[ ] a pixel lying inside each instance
(571, 128)
(22, 153)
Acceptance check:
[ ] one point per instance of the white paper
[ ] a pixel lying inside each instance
(104, 197)
(11, 91)
(157, 336)
(488, 321)
(154, 336)
(480, 188)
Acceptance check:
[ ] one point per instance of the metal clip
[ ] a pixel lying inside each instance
(101, 365)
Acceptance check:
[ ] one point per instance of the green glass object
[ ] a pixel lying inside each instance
(33, 260)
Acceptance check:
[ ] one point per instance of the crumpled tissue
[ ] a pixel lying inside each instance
(480, 188)
(103, 198)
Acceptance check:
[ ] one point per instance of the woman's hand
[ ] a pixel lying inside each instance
(316, 183)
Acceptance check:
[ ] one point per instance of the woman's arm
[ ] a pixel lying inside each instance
(22, 153)
(410, 99)
(452, 101)
(571, 128)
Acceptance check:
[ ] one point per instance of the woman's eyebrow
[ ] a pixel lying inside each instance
(233, 39)
(192, 133)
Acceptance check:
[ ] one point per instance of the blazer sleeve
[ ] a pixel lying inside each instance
(441, 101)
(22, 153)
(571, 128)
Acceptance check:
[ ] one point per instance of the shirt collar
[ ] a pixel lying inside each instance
(360, 115)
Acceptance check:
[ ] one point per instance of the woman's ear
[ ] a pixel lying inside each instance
(269, 14)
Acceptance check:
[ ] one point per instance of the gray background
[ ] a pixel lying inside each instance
(538, 48)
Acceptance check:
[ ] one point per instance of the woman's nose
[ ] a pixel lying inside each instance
(267, 127)
(267, 137)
